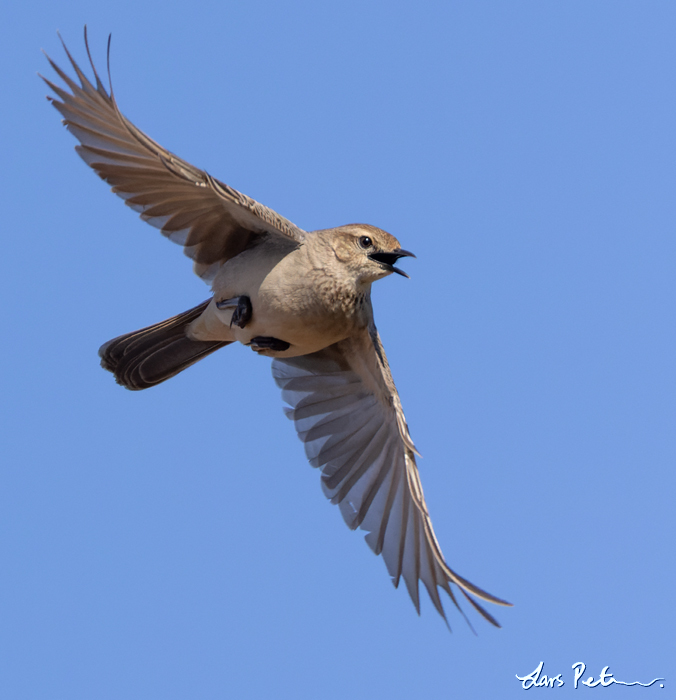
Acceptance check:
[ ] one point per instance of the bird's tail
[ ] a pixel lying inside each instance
(154, 354)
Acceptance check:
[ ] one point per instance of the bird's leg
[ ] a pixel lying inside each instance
(242, 313)
(262, 342)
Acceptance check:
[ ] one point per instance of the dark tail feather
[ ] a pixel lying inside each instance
(150, 356)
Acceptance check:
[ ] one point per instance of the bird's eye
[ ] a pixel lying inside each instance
(365, 242)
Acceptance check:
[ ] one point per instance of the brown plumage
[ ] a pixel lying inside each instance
(302, 298)
(152, 355)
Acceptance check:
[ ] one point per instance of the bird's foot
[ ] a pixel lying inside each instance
(262, 342)
(243, 310)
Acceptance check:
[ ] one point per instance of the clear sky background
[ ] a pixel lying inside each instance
(175, 543)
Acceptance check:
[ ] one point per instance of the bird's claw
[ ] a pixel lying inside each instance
(243, 310)
(261, 342)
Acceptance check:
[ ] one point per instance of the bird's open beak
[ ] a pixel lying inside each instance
(388, 259)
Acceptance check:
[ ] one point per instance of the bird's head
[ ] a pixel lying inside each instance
(369, 252)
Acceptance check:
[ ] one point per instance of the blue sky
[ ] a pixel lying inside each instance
(175, 543)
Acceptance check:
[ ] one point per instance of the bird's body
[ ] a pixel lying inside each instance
(297, 292)
(302, 298)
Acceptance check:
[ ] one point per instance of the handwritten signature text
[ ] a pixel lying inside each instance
(537, 679)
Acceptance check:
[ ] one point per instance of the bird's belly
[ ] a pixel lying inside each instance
(305, 332)
(292, 310)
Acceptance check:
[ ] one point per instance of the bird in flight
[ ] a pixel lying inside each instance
(302, 298)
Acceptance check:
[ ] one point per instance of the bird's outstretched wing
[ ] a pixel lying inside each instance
(346, 410)
(213, 221)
